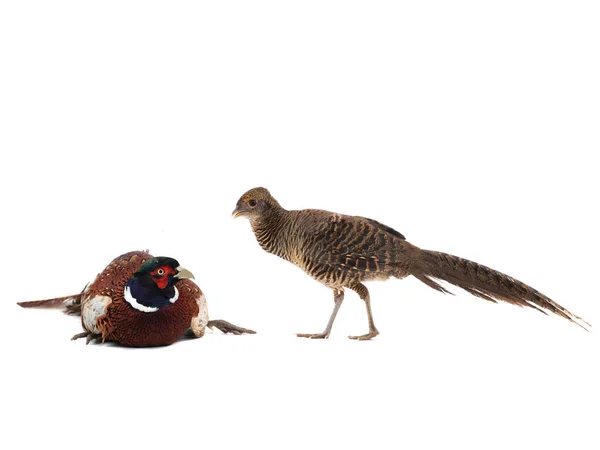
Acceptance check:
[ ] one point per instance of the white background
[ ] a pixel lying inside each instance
(470, 127)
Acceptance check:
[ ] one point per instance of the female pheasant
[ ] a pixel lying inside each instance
(343, 251)
(141, 301)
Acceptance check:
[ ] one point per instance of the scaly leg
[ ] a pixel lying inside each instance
(88, 335)
(363, 292)
(338, 298)
(227, 327)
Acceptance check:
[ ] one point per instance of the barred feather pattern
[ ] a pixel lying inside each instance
(335, 249)
(486, 283)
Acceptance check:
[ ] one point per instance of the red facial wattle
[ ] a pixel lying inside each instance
(160, 275)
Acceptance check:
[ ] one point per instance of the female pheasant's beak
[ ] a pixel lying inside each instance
(237, 212)
(183, 273)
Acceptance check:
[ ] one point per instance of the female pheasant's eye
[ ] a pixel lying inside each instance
(160, 272)
(252, 203)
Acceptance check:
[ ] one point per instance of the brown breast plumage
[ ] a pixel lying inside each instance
(134, 328)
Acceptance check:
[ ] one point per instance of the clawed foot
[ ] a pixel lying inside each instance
(227, 327)
(89, 337)
(313, 336)
(365, 337)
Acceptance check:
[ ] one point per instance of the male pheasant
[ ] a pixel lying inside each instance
(141, 301)
(343, 251)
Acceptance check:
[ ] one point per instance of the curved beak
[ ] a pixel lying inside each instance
(236, 212)
(183, 273)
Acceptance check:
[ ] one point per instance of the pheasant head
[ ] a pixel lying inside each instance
(256, 204)
(153, 286)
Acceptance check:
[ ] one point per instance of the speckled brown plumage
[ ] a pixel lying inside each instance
(343, 251)
(120, 322)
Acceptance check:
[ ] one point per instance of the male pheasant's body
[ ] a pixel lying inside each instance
(110, 310)
(105, 312)
(343, 251)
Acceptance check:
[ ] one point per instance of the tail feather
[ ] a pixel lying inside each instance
(72, 303)
(485, 283)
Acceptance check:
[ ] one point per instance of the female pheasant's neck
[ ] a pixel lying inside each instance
(267, 229)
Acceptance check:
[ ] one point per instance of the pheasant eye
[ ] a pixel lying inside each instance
(252, 203)
(160, 272)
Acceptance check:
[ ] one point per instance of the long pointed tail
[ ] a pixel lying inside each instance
(485, 283)
(72, 303)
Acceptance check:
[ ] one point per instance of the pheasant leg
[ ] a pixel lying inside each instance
(363, 292)
(338, 298)
(227, 327)
(88, 335)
